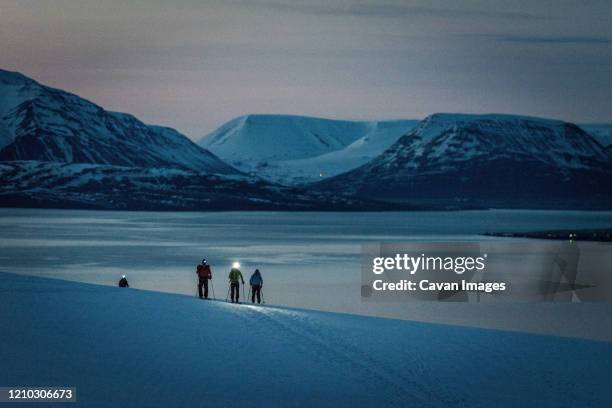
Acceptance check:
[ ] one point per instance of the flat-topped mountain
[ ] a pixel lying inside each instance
(298, 149)
(490, 160)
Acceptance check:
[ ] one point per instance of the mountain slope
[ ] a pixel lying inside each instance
(280, 137)
(601, 132)
(41, 123)
(297, 149)
(493, 160)
(59, 150)
(109, 187)
(128, 347)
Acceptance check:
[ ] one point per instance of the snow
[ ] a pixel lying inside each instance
(15, 89)
(280, 137)
(601, 132)
(447, 117)
(447, 138)
(488, 160)
(42, 123)
(379, 137)
(127, 347)
(6, 137)
(298, 149)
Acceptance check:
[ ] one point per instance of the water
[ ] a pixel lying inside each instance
(308, 260)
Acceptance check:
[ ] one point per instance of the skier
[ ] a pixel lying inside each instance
(204, 274)
(234, 276)
(123, 283)
(256, 283)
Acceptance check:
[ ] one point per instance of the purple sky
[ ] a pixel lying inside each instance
(194, 64)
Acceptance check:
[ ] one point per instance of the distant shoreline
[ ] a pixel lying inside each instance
(591, 235)
(392, 207)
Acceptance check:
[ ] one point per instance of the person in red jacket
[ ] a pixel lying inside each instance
(204, 274)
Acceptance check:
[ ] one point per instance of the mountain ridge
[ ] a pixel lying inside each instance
(490, 160)
(602, 132)
(63, 151)
(44, 123)
(447, 160)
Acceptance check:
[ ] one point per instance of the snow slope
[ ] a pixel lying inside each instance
(299, 149)
(125, 347)
(502, 160)
(42, 123)
(602, 132)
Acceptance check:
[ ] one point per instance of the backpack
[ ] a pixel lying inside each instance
(203, 272)
(256, 280)
(234, 275)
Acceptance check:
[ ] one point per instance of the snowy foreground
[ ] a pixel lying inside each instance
(126, 347)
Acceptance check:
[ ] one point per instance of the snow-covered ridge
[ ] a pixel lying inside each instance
(43, 123)
(459, 137)
(600, 131)
(293, 149)
(490, 160)
(454, 118)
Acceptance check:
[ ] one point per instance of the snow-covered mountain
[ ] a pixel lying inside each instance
(602, 132)
(42, 123)
(492, 160)
(298, 149)
(60, 150)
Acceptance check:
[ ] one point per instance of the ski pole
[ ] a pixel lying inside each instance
(212, 285)
(228, 289)
(248, 297)
(263, 299)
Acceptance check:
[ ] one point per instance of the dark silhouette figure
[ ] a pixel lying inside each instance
(123, 282)
(204, 275)
(256, 283)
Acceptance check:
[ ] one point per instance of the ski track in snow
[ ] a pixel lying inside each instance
(356, 363)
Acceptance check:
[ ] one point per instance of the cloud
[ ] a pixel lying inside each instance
(519, 39)
(386, 10)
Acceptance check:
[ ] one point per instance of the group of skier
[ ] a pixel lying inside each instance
(204, 273)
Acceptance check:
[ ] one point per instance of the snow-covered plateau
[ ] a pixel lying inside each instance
(292, 150)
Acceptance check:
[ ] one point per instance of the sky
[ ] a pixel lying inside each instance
(195, 64)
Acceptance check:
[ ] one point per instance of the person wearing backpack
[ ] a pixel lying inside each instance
(235, 276)
(256, 283)
(204, 274)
